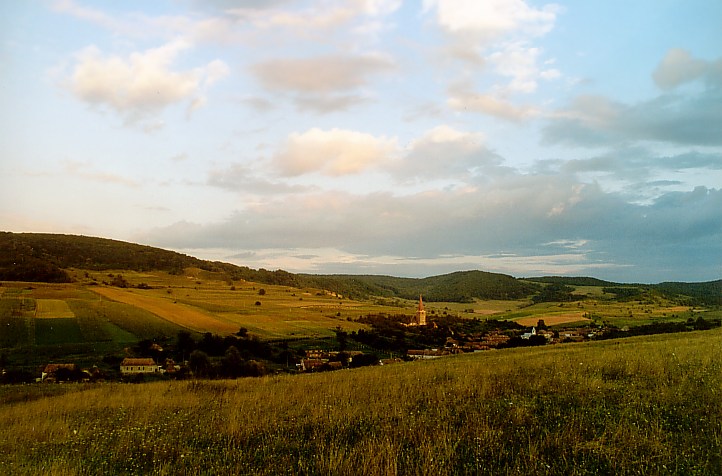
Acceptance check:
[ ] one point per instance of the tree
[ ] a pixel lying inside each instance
(232, 363)
(199, 363)
(185, 344)
(342, 339)
(361, 360)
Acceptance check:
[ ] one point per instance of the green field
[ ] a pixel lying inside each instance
(646, 405)
(157, 305)
(58, 331)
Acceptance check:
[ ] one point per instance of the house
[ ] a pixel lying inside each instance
(55, 372)
(307, 365)
(138, 366)
(419, 354)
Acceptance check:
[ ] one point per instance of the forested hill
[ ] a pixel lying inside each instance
(44, 257)
(461, 286)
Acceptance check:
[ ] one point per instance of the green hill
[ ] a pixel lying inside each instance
(43, 257)
(461, 286)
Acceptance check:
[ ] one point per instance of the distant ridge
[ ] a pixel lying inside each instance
(573, 281)
(44, 257)
(460, 286)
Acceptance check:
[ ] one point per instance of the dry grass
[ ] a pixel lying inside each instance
(636, 406)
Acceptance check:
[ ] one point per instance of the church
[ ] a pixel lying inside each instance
(420, 317)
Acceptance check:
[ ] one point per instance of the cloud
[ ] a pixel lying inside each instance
(463, 98)
(444, 152)
(318, 17)
(319, 74)
(516, 215)
(491, 19)
(596, 121)
(518, 61)
(92, 15)
(493, 41)
(86, 171)
(244, 180)
(142, 84)
(679, 67)
(678, 117)
(327, 88)
(332, 152)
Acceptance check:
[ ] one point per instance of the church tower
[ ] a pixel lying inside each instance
(420, 313)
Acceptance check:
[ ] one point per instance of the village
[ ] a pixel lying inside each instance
(387, 339)
(139, 368)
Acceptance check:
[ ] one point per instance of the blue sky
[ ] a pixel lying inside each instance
(410, 138)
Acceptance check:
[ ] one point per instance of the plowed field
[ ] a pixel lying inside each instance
(176, 313)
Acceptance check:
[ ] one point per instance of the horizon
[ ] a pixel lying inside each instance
(383, 137)
(408, 276)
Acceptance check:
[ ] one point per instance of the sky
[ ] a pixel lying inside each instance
(409, 138)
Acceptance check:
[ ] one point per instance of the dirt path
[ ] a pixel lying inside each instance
(179, 314)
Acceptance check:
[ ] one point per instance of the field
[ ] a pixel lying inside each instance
(635, 406)
(91, 317)
(52, 309)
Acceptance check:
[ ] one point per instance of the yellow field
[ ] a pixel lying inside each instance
(52, 309)
(212, 308)
(553, 319)
(176, 313)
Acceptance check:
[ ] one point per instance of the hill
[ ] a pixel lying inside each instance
(44, 257)
(461, 286)
(631, 406)
(41, 257)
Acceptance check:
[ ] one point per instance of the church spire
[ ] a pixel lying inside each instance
(420, 313)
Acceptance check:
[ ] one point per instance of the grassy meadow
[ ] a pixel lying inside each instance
(647, 405)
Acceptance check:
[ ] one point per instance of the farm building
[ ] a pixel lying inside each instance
(55, 372)
(138, 366)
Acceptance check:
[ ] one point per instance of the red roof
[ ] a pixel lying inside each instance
(137, 362)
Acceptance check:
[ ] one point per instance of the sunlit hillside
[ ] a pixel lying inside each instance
(638, 406)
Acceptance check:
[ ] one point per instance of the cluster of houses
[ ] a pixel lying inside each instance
(326, 360)
(332, 360)
(495, 339)
(128, 367)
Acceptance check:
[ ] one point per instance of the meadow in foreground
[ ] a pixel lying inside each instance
(647, 405)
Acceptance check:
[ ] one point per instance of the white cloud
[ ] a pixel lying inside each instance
(491, 19)
(320, 74)
(520, 62)
(323, 83)
(463, 98)
(332, 152)
(493, 40)
(142, 83)
(447, 153)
